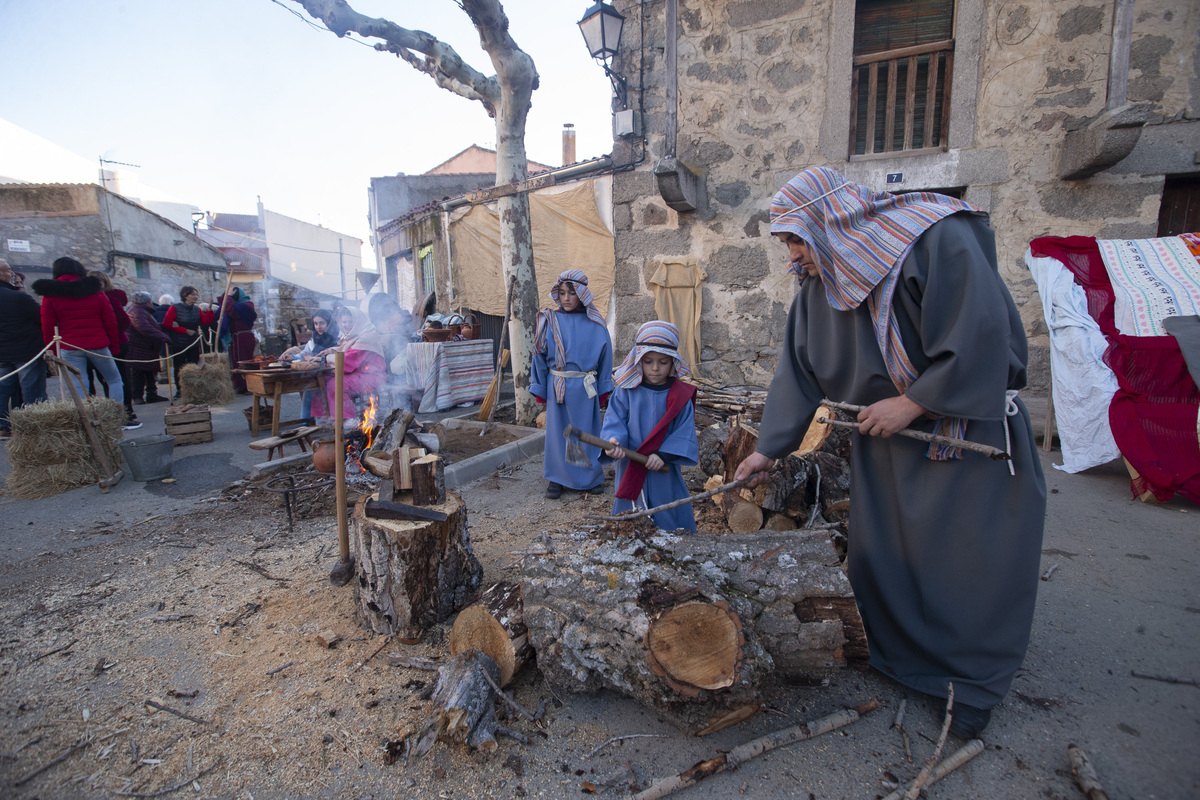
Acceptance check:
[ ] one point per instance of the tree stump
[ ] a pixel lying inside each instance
(691, 626)
(495, 625)
(464, 705)
(414, 573)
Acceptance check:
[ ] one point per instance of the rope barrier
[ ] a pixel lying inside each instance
(132, 360)
(28, 363)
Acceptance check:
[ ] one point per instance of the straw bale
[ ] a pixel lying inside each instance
(50, 452)
(206, 384)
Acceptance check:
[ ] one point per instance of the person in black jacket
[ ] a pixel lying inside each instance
(20, 340)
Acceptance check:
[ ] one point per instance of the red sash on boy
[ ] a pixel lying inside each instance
(678, 396)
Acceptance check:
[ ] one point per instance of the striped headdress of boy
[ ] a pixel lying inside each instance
(547, 323)
(652, 337)
(860, 238)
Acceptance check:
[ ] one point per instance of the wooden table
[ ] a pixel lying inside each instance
(273, 384)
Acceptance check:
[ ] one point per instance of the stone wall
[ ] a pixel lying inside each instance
(763, 88)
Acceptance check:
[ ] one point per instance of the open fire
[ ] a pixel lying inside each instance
(359, 441)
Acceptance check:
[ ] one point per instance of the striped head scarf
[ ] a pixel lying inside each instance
(547, 323)
(652, 337)
(860, 239)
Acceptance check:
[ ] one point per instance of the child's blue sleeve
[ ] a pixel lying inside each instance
(539, 381)
(681, 437)
(616, 422)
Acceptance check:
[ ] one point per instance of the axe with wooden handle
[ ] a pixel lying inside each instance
(578, 457)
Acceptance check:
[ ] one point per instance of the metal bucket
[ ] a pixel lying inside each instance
(149, 457)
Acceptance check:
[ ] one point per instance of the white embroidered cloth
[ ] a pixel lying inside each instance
(1152, 279)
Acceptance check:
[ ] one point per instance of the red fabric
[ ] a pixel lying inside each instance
(87, 322)
(678, 396)
(1153, 414)
(119, 300)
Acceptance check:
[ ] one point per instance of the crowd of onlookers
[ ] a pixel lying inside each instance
(116, 342)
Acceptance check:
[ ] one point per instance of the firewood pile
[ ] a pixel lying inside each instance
(718, 404)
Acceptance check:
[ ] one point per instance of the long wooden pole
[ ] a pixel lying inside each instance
(498, 380)
(339, 455)
(221, 318)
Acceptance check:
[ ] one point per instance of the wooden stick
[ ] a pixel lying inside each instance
(1150, 677)
(960, 757)
(70, 751)
(280, 668)
(111, 476)
(1046, 575)
(927, 770)
(1085, 775)
(994, 453)
(221, 318)
(756, 747)
(339, 456)
(511, 703)
(374, 653)
(725, 487)
(175, 787)
(52, 652)
(607, 742)
(512, 282)
(180, 714)
(413, 662)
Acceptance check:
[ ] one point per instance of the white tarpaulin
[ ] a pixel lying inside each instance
(1083, 384)
(568, 233)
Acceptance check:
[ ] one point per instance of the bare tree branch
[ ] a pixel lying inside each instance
(441, 62)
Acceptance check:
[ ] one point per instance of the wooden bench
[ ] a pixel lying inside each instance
(274, 444)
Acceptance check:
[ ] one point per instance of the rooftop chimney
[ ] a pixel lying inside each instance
(568, 143)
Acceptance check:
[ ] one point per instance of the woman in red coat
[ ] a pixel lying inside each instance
(75, 306)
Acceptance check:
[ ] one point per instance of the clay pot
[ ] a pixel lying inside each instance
(323, 457)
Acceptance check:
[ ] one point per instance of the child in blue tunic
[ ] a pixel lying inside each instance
(572, 375)
(652, 412)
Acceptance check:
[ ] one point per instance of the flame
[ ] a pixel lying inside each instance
(370, 418)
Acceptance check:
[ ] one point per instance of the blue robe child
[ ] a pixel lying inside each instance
(635, 410)
(575, 343)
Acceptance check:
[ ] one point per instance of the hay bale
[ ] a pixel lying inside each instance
(206, 384)
(50, 452)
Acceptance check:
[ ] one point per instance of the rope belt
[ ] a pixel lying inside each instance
(1011, 409)
(589, 379)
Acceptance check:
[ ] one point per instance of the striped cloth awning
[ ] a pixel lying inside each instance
(451, 373)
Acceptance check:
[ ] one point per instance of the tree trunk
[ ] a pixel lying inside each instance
(495, 625)
(517, 79)
(644, 618)
(412, 573)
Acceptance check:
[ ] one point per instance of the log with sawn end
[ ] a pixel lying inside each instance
(495, 624)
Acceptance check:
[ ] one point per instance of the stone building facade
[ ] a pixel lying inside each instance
(765, 89)
(139, 249)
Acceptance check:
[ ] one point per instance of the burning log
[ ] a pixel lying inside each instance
(412, 572)
(495, 624)
(691, 626)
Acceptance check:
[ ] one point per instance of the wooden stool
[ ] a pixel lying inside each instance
(274, 444)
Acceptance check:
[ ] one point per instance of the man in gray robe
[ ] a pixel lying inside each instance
(943, 554)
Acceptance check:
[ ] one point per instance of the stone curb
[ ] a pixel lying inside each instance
(477, 466)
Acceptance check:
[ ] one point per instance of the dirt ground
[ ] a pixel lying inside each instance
(216, 616)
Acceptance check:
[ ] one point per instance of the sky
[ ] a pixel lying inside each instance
(220, 102)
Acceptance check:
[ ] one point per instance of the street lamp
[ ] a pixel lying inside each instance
(601, 27)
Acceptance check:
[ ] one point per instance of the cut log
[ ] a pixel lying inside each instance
(696, 645)
(779, 522)
(495, 624)
(817, 433)
(801, 480)
(464, 705)
(412, 573)
(742, 515)
(656, 619)
(428, 480)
